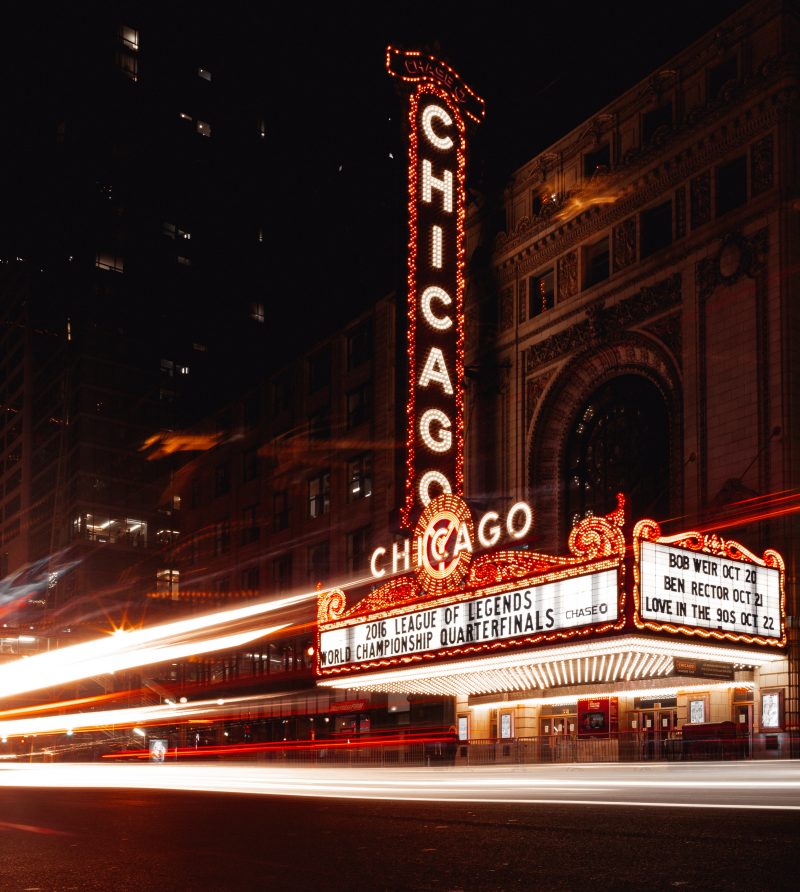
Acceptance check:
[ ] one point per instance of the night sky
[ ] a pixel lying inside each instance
(336, 150)
(337, 118)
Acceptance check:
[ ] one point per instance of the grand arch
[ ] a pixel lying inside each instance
(566, 394)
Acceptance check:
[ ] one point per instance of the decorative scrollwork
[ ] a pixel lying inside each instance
(507, 566)
(595, 537)
(331, 605)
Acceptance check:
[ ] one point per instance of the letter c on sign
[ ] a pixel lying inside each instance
(376, 555)
(430, 294)
(436, 112)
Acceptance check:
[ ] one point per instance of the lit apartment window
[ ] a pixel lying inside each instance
(203, 128)
(319, 495)
(183, 261)
(112, 262)
(359, 477)
(168, 229)
(204, 73)
(168, 582)
(129, 37)
(262, 129)
(257, 312)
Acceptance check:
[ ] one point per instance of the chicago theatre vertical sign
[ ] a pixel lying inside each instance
(439, 103)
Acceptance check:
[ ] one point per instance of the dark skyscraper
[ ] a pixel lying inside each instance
(132, 298)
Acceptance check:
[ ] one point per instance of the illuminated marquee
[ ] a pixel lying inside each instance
(522, 613)
(457, 603)
(703, 585)
(436, 209)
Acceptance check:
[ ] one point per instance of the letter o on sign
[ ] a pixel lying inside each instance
(524, 509)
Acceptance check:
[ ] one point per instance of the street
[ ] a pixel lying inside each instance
(53, 840)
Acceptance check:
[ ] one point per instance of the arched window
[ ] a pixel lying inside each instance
(619, 442)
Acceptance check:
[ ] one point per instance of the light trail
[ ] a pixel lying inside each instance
(762, 786)
(141, 647)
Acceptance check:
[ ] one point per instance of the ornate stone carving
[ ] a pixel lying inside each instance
(668, 331)
(761, 165)
(567, 275)
(534, 388)
(700, 199)
(522, 300)
(650, 300)
(737, 256)
(506, 311)
(624, 244)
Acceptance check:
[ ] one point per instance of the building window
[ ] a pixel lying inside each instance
(128, 64)
(359, 345)
(319, 425)
(541, 293)
(619, 442)
(595, 263)
(282, 572)
(655, 120)
(358, 550)
(108, 261)
(250, 579)
(359, 477)
(358, 405)
(280, 510)
(319, 563)
(250, 465)
(319, 370)
(222, 479)
(257, 312)
(249, 524)
(204, 73)
(203, 128)
(721, 75)
(319, 495)
(281, 394)
(222, 538)
(656, 228)
(598, 161)
(731, 185)
(168, 582)
(129, 37)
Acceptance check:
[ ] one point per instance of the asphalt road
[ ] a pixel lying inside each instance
(59, 839)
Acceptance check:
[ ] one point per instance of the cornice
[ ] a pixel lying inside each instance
(708, 145)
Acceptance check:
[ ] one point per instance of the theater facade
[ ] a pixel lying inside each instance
(598, 544)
